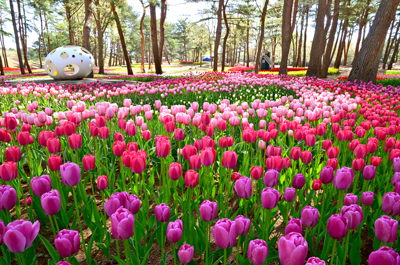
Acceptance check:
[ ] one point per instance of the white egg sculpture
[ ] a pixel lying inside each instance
(69, 62)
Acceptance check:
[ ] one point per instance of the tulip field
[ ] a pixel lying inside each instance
(215, 168)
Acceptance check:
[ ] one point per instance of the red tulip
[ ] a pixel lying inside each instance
(102, 182)
(44, 136)
(10, 122)
(13, 153)
(75, 141)
(8, 171)
(175, 171)
(332, 162)
(274, 162)
(118, 148)
(229, 159)
(130, 129)
(256, 172)
(205, 118)
(54, 163)
(188, 151)
(195, 162)
(208, 156)
(138, 163)
(286, 162)
(118, 137)
(198, 144)
(306, 157)
(361, 151)
(146, 135)
(69, 128)
(59, 130)
(353, 144)
(295, 153)
(332, 152)
(163, 147)
(316, 185)
(94, 130)
(326, 144)
(376, 160)
(88, 162)
(169, 126)
(53, 145)
(24, 138)
(206, 141)
(191, 178)
(104, 133)
(223, 142)
(310, 140)
(230, 141)
(236, 176)
(179, 135)
(358, 164)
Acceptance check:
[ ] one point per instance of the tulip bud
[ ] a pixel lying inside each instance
(51, 202)
(41, 185)
(174, 231)
(269, 198)
(294, 225)
(185, 253)
(386, 229)
(309, 216)
(293, 249)
(243, 187)
(175, 171)
(242, 225)
(298, 181)
(122, 223)
(102, 182)
(224, 233)
(257, 251)
(289, 194)
(337, 226)
(354, 215)
(162, 212)
(89, 162)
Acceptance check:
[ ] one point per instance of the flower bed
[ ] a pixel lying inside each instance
(196, 168)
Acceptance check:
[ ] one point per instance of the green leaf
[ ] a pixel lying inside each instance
(355, 254)
(120, 261)
(52, 251)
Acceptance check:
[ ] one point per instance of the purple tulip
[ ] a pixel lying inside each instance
(243, 187)
(63, 263)
(19, 235)
(174, 231)
(343, 178)
(309, 216)
(337, 226)
(369, 172)
(315, 261)
(298, 181)
(8, 197)
(271, 178)
(396, 164)
(367, 198)
(134, 204)
(208, 210)
(185, 253)
(350, 199)
(122, 223)
(162, 213)
(224, 233)
(391, 203)
(293, 249)
(396, 178)
(41, 185)
(294, 225)
(115, 201)
(397, 188)
(242, 225)
(67, 242)
(289, 194)
(70, 174)
(326, 175)
(384, 255)
(354, 215)
(257, 251)
(51, 202)
(386, 229)
(2, 228)
(269, 198)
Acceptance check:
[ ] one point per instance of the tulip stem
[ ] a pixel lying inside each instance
(22, 258)
(56, 223)
(91, 183)
(208, 242)
(79, 222)
(267, 221)
(162, 241)
(117, 247)
(356, 182)
(333, 251)
(237, 251)
(346, 246)
(52, 226)
(225, 256)
(127, 250)
(121, 171)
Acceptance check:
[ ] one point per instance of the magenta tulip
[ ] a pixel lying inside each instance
(122, 223)
(293, 249)
(67, 242)
(224, 233)
(174, 231)
(19, 235)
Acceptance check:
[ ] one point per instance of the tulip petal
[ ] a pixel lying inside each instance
(15, 241)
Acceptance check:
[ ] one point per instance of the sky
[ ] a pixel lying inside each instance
(178, 9)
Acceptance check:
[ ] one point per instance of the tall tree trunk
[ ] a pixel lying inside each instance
(40, 54)
(121, 36)
(287, 32)
(337, 38)
(153, 27)
(360, 30)
(260, 42)
(225, 38)
(364, 66)
(298, 63)
(48, 33)
(95, 48)
(20, 60)
(247, 44)
(4, 49)
(70, 31)
(395, 51)
(23, 37)
(87, 27)
(342, 44)
(162, 30)
(111, 54)
(218, 33)
(1, 67)
(319, 41)
(305, 38)
(143, 39)
(389, 46)
(328, 50)
(166, 53)
(347, 48)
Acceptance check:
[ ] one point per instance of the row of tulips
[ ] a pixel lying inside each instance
(310, 156)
